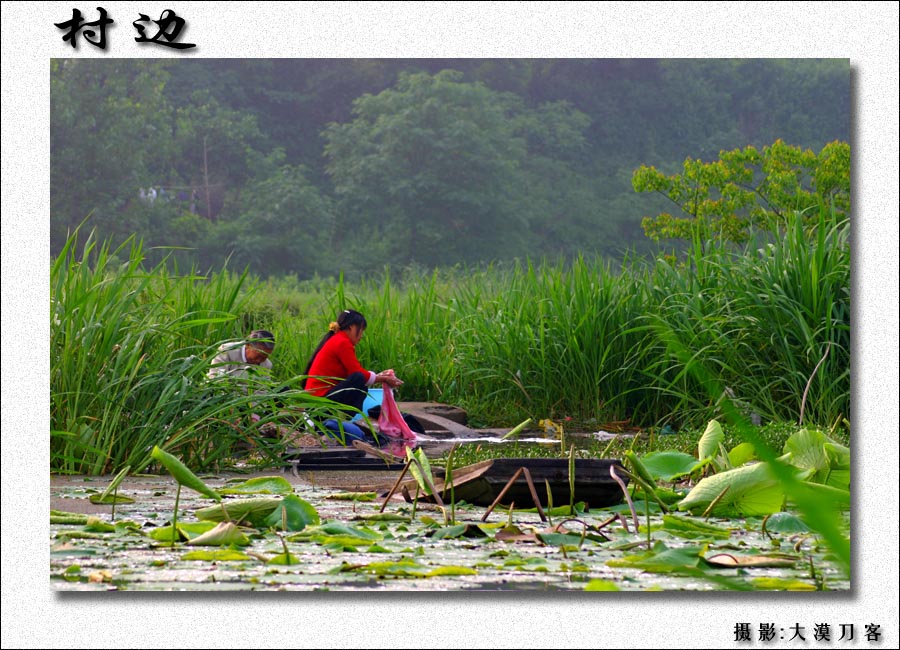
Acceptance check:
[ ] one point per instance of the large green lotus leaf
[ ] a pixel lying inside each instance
(68, 518)
(601, 585)
(401, 568)
(459, 530)
(828, 495)
(225, 533)
(218, 555)
(452, 570)
(293, 514)
(662, 559)
(693, 528)
(741, 454)
(785, 522)
(667, 495)
(838, 455)
(254, 511)
(353, 496)
(186, 530)
(807, 450)
(406, 568)
(97, 525)
(751, 490)
(640, 505)
(839, 478)
(182, 474)
(109, 499)
(708, 446)
(420, 456)
(334, 528)
(513, 533)
(560, 511)
(338, 543)
(668, 465)
(261, 485)
(838, 474)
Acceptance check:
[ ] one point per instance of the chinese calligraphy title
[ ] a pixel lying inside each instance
(168, 26)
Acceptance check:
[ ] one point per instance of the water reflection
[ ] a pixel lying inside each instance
(397, 447)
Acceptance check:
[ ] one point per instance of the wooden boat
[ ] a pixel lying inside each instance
(341, 459)
(483, 482)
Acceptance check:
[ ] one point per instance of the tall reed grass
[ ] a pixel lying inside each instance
(585, 339)
(129, 352)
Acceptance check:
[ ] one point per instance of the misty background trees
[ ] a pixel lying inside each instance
(315, 166)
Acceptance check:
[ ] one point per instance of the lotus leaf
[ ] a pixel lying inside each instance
(829, 495)
(261, 485)
(353, 496)
(662, 559)
(182, 474)
(186, 530)
(422, 459)
(785, 522)
(745, 491)
(807, 451)
(109, 499)
(254, 511)
(460, 530)
(219, 555)
(292, 514)
(225, 533)
(741, 454)
(709, 442)
(669, 465)
(693, 528)
(451, 570)
(336, 529)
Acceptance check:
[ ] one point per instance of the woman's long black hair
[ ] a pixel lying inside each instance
(345, 320)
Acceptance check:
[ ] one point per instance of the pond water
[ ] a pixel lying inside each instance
(411, 547)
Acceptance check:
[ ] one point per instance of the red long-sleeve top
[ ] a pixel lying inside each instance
(337, 358)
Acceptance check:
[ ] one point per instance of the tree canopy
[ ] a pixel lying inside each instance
(318, 166)
(748, 189)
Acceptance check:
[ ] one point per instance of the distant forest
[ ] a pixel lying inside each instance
(311, 167)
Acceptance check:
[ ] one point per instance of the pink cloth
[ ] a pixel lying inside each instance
(390, 422)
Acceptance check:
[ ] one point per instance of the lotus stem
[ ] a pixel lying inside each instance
(809, 382)
(175, 514)
(714, 503)
(612, 472)
(647, 511)
(648, 489)
(572, 480)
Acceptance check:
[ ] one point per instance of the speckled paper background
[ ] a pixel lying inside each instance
(34, 616)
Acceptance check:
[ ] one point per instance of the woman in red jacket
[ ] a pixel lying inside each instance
(334, 371)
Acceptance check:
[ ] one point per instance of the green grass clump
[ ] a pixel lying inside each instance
(765, 329)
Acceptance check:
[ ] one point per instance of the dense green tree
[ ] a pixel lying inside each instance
(283, 224)
(108, 139)
(748, 190)
(501, 158)
(441, 170)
